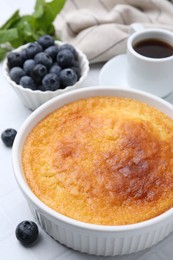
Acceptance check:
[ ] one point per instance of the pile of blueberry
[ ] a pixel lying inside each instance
(42, 65)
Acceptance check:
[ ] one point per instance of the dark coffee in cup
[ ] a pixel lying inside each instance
(153, 48)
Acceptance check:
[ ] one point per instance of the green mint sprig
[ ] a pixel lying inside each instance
(19, 30)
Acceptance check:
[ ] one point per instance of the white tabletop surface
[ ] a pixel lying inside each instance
(13, 207)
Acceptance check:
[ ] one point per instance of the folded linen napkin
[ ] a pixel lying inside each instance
(100, 28)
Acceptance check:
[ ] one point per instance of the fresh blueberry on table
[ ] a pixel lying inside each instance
(16, 73)
(27, 232)
(45, 41)
(28, 82)
(43, 58)
(68, 77)
(50, 82)
(8, 136)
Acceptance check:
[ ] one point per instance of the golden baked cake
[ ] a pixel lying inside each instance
(102, 160)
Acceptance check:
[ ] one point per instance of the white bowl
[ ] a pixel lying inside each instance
(34, 98)
(90, 238)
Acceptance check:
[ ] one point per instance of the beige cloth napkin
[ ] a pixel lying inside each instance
(100, 27)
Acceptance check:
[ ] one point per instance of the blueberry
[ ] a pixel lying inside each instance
(28, 82)
(8, 136)
(65, 58)
(16, 73)
(45, 41)
(33, 49)
(27, 232)
(14, 59)
(38, 72)
(50, 82)
(43, 58)
(69, 47)
(55, 69)
(68, 77)
(24, 55)
(76, 68)
(28, 66)
(52, 51)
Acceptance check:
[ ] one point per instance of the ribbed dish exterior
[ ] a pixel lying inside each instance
(33, 99)
(101, 242)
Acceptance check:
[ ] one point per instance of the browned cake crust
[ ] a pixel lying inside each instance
(102, 160)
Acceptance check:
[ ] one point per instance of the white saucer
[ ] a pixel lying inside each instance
(113, 73)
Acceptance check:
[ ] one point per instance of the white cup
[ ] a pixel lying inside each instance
(153, 75)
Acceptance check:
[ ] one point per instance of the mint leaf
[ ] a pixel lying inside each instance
(6, 36)
(26, 29)
(19, 30)
(3, 52)
(11, 21)
(56, 7)
(44, 22)
(45, 14)
(39, 8)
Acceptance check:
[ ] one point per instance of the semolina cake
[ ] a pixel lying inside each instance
(102, 160)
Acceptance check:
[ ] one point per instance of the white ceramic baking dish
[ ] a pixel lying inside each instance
(89, 238)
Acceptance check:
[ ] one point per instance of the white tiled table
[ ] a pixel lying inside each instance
(13, 207)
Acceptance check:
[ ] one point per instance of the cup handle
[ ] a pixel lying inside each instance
(135, 27)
